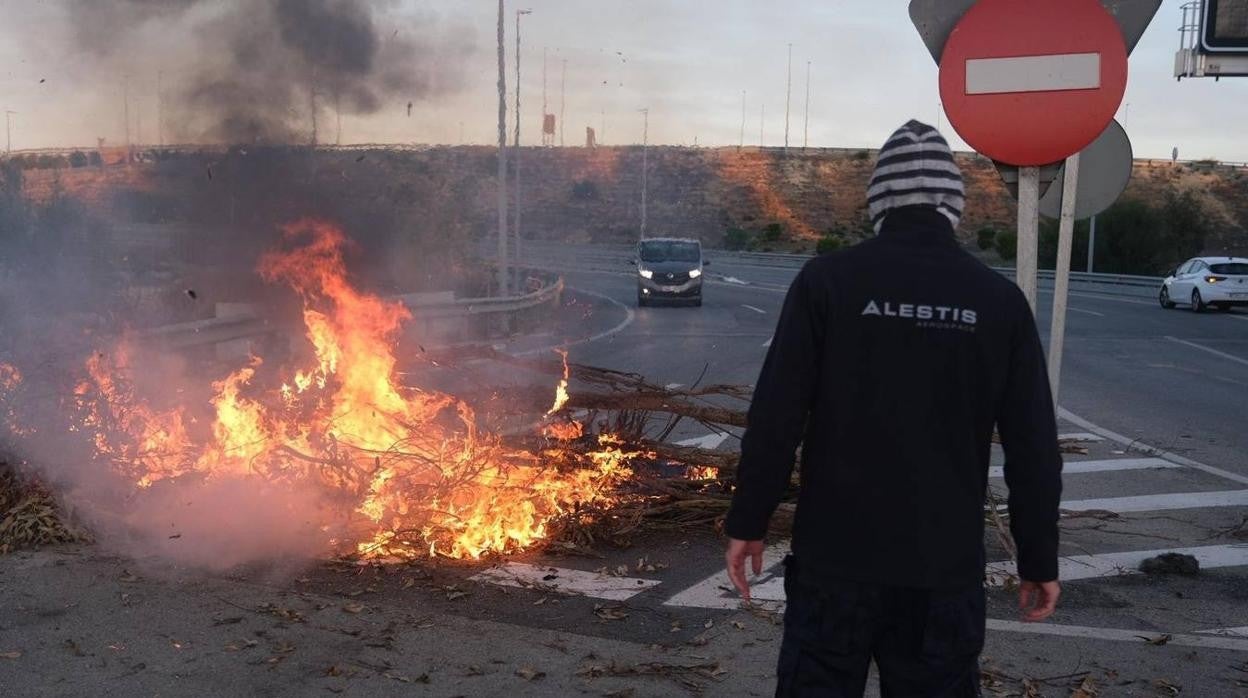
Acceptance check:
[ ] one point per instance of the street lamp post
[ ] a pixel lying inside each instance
(503, 275)
(806, 126)
(645, 169)
(742, 143)
(788, 96)
(8, 130)
(519, 13)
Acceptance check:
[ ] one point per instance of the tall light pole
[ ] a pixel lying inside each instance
(8, 130)
(338, 117)
(545, 103)
(519, 14)
(503, 274)
(788, 95)
(742, 143)
(125, 110)
(160, 109)
(806, 127)
(645, 170)
(563, 86)
(762, 121)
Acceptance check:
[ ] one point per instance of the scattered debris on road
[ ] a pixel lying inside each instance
(1171, 563)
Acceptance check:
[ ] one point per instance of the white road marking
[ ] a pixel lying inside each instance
(760, 311)
(1209, 350)
(767, 344)
(716, 591)
(1085, 312)
(672, 386)
(1077, 567)
(1239, 317)
(565, 581)
(1161, 502)
(1079, 436)
(1135, 445)
(1226, 632)
(1117, 635)
(1101, 466)
(734, 280)
(709, 442)
(629, 316)
(1057, 72)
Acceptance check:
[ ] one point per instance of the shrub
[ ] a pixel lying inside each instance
(736, 239)
(585, 190)
(828, 243)
(773, 232)
(985, 238)
(1006, 243)
(77, 159)
(862, 155)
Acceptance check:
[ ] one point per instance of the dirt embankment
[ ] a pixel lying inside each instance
(578, 194)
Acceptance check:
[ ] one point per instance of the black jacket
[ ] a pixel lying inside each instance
(892, 362)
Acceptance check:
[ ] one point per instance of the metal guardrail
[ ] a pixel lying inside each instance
(455, 319)
(1109, 284)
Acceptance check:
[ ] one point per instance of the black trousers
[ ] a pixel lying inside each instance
(926, 643)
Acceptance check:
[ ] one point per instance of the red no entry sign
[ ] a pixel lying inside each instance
(1031, 82)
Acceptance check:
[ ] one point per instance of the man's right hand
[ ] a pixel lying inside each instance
(1038, 600)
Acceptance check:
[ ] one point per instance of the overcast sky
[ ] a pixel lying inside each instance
(688, 61)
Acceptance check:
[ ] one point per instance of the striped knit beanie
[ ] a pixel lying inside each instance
(916, 168)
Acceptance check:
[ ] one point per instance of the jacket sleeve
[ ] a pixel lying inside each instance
(1033, 464)
(782, 402)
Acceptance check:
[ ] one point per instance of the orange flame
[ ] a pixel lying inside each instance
(416, 475)
(561, 391)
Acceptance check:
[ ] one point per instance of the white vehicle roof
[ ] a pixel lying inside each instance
(1223, 260)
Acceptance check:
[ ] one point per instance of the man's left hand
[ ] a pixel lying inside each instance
(738, 551)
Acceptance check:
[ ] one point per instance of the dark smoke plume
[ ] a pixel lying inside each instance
(276, 71)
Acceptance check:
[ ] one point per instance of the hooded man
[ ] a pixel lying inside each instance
(892, 363)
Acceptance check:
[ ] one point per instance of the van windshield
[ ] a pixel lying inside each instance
(670, 251)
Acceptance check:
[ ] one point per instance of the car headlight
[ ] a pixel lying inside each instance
(646, 273)
(695, 273)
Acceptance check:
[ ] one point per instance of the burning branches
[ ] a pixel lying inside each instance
(338, 453)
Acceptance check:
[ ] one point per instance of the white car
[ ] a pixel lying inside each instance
(1220, 282)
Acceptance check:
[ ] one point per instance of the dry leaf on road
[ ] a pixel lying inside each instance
(530, 674)
(610, 612)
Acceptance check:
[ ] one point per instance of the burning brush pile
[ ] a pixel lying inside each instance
(339, 456)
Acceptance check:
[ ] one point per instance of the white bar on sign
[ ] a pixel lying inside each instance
(1069, 71)
(565, 581)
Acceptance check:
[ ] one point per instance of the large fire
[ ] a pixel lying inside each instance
(408, 469)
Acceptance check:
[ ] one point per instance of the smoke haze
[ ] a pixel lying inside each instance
(259, 71)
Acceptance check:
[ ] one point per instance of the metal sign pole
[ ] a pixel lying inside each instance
(1091, 244)
(1061, 285)
(1028, 231)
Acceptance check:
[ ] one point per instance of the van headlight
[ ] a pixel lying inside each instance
(695, 273)
(646, 273)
